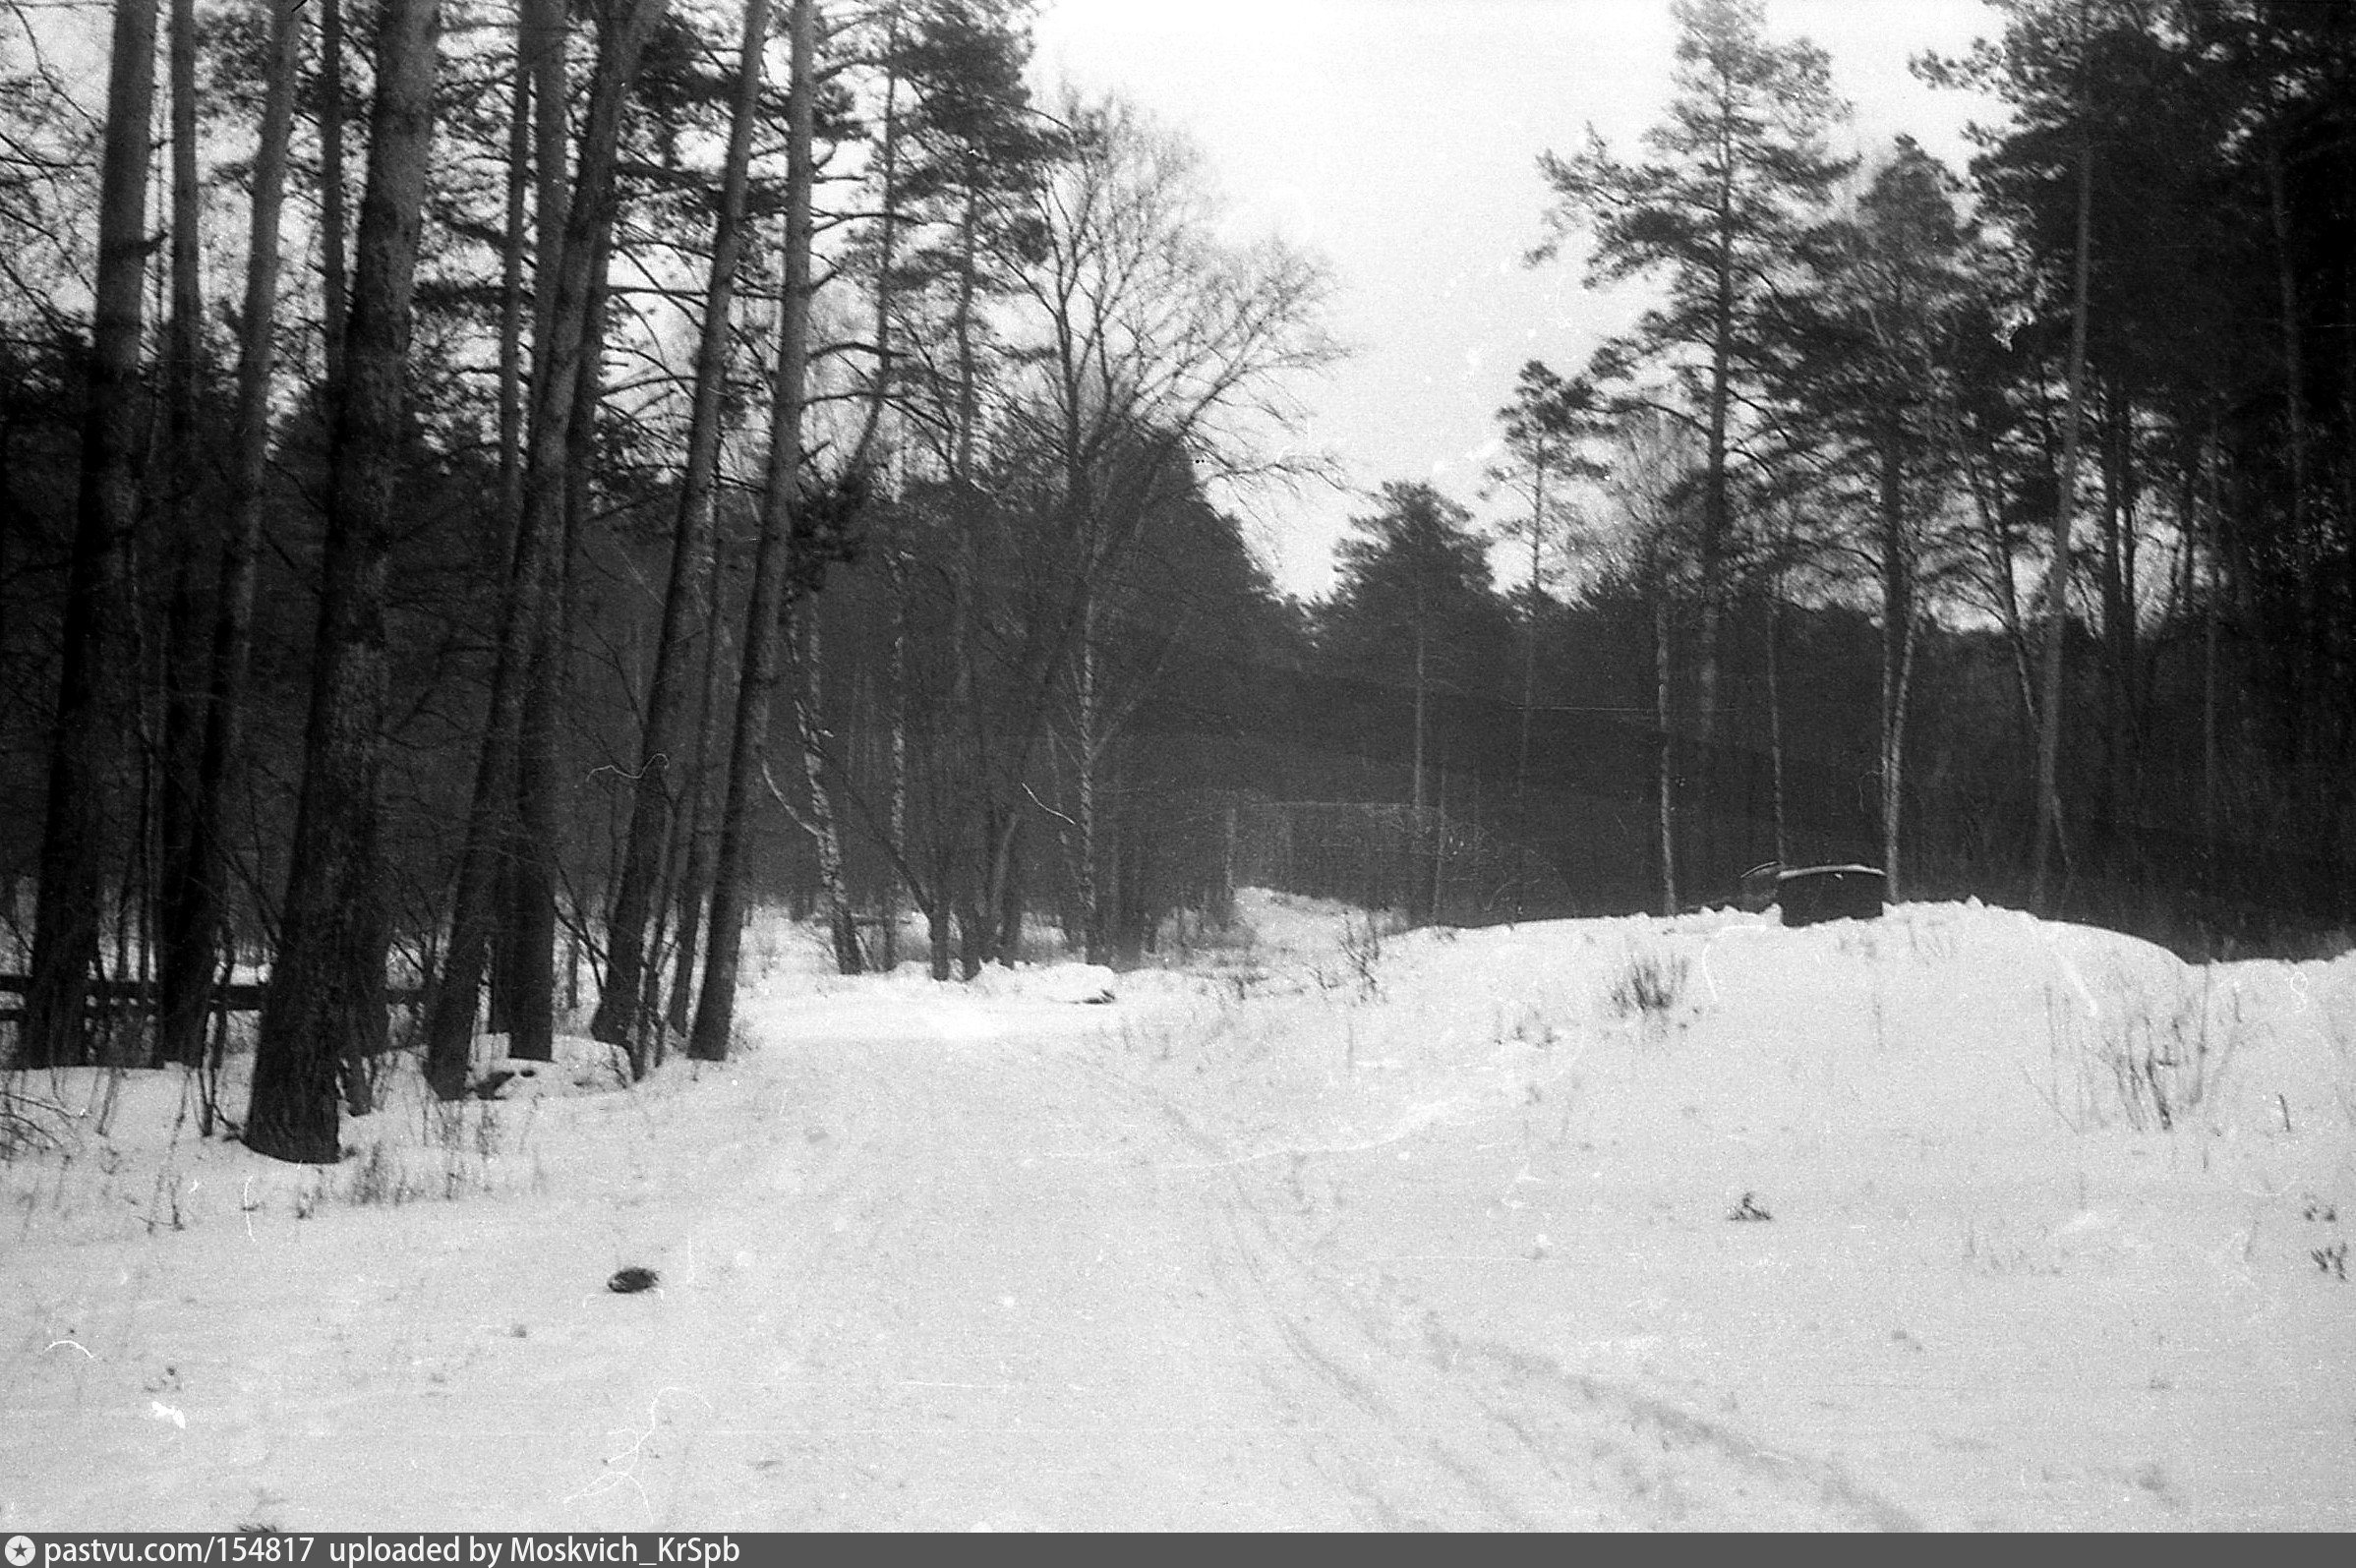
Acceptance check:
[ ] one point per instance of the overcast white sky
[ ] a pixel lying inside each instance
(1400, 138)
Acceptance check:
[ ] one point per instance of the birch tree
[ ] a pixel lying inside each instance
(1148, 348)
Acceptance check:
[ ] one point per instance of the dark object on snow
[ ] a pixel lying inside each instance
(631, 1279)
(1746, 1211)
(1817, 894)
(493, 1084)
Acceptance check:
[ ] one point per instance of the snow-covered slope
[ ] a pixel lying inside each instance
(1952, 1219)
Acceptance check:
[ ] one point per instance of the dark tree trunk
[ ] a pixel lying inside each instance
(655, 799)
(2294, 405)
(184, 960)
(1897, 641)
(2057, 584)
(85, 743)
(1717, 523)
(544, 27)
(715, 1014)
(700, 832)
(233, 614)
(531, 916)
(536, 571)
(326, 1002)
(1665, 732)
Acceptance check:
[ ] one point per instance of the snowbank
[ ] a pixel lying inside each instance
(1954, 1218)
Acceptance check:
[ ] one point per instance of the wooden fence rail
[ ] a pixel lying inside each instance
(139, 996)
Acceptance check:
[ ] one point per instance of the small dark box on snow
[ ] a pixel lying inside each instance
(1811, 895)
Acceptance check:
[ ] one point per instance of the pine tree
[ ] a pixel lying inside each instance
(565, 368)
(86, 739)
(1734, 173)
(784, 515)
(625, 1008)
(326, 1002)
(1547, 428)
(1413, 610)
(1865, 379)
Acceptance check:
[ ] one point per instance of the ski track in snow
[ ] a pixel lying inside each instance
(1440, 1241)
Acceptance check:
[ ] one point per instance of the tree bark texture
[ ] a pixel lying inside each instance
(86, 739)
(716, 1011)
(325, 1000)
(2057, 570)
(657, 796)
(537, 566)
(233, 612)
(184, 956)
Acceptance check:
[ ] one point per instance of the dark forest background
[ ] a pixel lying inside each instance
(672, 458)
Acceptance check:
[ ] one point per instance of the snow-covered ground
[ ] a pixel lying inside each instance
(1700, 1223)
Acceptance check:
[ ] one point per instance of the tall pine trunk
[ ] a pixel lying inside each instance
(2308, 635)
(1529, 692)
(1897, 642)
(716, 1011)
(1666, 731)
(184, 957)
(1774, 722)
(2057, 572)
(84, 742)
(699, 829)
(543, 34)
(2210, 611)
(1717, 522)
(534, 874)
(233, 609)
(325, 1000)
(536, 573)
(1422, 712)
(657, 793)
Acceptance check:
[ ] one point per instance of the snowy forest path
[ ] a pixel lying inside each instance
(1006, 1281)
(966, 1288)
(1450, 1240)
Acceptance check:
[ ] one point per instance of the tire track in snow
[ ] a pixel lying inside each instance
(956, 1329)
(1183, 1354)
(1521, 1443)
